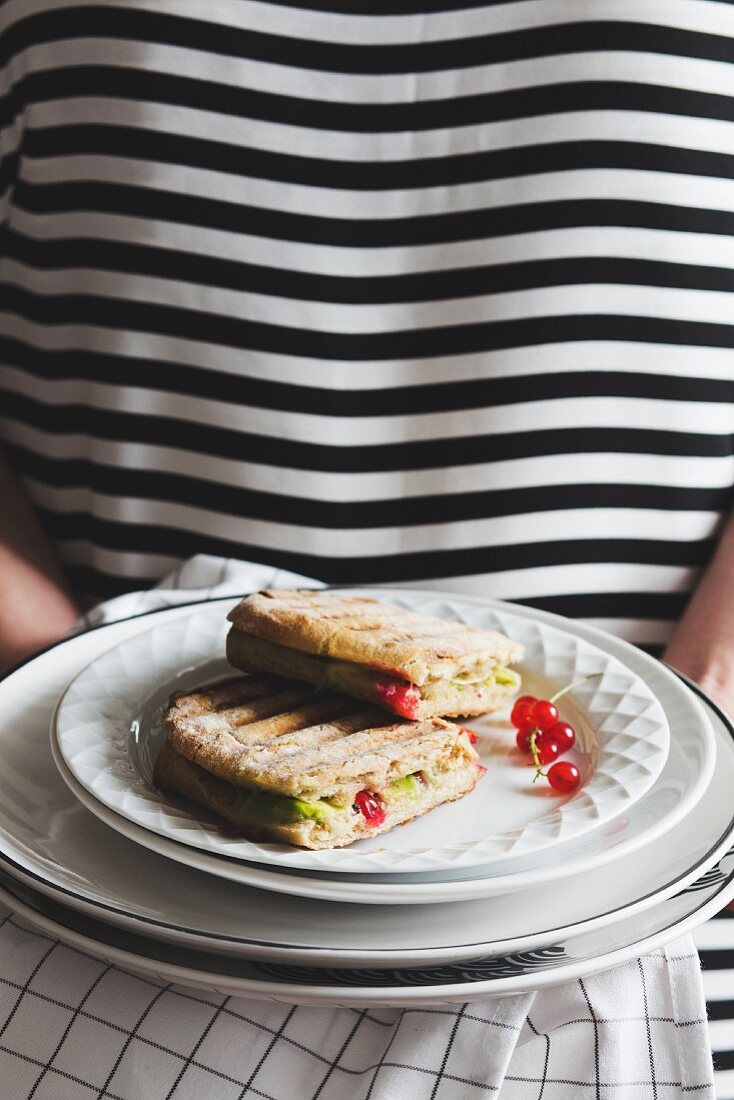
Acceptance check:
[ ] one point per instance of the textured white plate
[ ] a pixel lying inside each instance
(52, 844)
(682, 783)
(108, 733)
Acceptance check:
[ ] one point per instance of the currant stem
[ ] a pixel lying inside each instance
(535, 755)
(575, 684)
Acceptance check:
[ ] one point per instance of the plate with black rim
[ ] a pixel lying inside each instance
(684, 779)
(452, 983)
(55, 846)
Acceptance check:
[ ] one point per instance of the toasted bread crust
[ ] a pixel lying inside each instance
(327, 747)
(350, 628)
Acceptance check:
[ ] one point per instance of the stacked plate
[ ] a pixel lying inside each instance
(511, 888)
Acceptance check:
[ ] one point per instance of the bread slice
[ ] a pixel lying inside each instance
(320, 775)
(414, 665)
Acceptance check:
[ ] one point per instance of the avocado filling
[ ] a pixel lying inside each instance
(409, 786)
(499, 677)
(282, 810)
(361, 681)
(400, 695)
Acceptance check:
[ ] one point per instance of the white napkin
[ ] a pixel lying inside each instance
(71, 1026)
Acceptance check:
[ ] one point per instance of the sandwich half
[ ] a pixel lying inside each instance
(317, 771)
(413, 665)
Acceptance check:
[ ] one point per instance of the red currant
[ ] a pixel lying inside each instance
(564, 735)
(564, 777)
(544, 714)
(521, 709)
(541, 734)
(547, 748)
(371, 807)
(522, 738)
(401, 698)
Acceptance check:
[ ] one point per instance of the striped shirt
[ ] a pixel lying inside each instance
(438, 295)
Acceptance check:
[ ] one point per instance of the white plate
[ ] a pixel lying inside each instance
(685, 777)
(500, 975)
(51, 843)
(108, 733)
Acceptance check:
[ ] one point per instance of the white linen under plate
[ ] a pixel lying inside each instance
(71, 1026)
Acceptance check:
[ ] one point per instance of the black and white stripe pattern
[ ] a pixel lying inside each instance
(435, 294)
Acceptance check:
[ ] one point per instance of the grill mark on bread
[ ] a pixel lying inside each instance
(352, 755)
(189, 734)
(277, 708)
(363, 631)
(300, 750)
(230, 692)
(310, 737)
(248, 712)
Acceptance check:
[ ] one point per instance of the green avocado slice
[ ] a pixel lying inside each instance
(281, 809)
(409, 785)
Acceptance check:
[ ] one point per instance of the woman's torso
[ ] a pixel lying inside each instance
(440, 297)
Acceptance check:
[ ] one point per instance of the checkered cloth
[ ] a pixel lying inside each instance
(72, 1026)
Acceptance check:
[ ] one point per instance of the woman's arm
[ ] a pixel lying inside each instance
(702, 645)
(36, 606)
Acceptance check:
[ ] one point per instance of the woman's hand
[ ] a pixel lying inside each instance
(36, 607)
(702, 645)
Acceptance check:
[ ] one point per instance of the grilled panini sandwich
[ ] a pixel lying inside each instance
(416, 666)
(282, 763)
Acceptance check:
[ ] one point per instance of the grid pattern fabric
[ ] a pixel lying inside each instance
(73, 1026)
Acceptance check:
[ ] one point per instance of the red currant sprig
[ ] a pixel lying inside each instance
(541, 733)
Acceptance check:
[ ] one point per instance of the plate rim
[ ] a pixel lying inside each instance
(425, 994)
